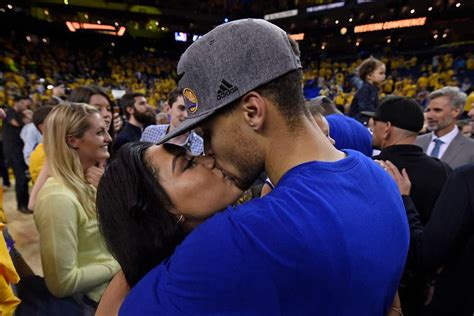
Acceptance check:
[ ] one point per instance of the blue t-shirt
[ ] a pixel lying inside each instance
(349, 133)
(330, 239)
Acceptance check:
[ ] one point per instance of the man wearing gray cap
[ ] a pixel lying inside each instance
(330, 239)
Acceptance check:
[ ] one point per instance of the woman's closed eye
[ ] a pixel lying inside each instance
(190, 163)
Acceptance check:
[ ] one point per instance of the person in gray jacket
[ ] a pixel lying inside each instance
(445, 142)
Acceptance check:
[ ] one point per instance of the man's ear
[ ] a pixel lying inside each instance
(72, 141)
(456, 112)
(387, 130)
(254, 107)
(166, 108)
(130, 110)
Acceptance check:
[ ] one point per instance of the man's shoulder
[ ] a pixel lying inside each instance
(424, 140)
(464, 141)
(195, 137)
(424, 136)
(154, 133)
(159, 127)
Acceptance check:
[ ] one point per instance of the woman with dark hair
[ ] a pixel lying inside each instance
(151, 196)
(98, 98)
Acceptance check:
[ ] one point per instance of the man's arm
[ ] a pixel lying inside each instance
(451, 220)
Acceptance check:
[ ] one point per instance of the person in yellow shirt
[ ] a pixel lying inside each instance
(469, 102)
(8, 276)
(470, 62)
(434, 81)
(388, 85)
(422, 82)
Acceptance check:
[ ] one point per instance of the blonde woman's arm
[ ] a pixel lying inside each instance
(58, 219)
(42, 177)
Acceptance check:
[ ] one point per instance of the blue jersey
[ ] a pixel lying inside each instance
(330, 239)
(348, 133)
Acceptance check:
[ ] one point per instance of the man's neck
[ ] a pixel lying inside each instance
(133, 121)
(401, 140)
(445, 131)
(286, 151)
(178, 140)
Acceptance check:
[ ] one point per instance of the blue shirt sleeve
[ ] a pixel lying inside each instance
(211, 272)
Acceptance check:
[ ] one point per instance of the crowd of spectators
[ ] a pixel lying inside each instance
(413, 120)
(30, 69)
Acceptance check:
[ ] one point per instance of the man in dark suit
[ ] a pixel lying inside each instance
(444, 247)
(445, 141)
(397, 122)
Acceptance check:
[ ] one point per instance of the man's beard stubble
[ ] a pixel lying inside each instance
(148, 118)
(246, 160)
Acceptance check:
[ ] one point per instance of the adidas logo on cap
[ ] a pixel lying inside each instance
(225, 89)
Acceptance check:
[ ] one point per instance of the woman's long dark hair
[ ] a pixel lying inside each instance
(83, 94)
(133, 213)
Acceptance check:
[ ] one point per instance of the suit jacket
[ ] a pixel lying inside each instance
(447, 241)
(459, 153)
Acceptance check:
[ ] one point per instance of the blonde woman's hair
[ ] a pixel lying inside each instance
(69, 119)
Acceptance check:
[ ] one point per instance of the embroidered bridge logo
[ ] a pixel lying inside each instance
(190, 100)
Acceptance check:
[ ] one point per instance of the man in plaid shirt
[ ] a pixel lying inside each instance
(177, 112)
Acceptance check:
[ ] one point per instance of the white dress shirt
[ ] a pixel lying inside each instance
(31, 137)
(446, 139)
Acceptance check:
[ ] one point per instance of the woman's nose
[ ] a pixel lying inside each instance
(207, 161)
(105, 113)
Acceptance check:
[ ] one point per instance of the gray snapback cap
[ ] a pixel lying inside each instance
(226, 63)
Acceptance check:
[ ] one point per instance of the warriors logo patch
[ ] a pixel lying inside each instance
(190, 100)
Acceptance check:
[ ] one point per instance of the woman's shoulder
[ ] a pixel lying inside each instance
(55, 190)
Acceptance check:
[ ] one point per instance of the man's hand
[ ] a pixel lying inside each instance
(402, 179)
(117, 122)
(59, 91)
(94, 173)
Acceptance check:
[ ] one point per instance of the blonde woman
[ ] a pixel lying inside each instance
(75, 261)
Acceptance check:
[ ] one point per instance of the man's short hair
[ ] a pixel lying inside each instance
(457, 98)
(315, 108)
(128, 101)
(327, 106)
(173, 96)
(40, 114)
(20, 97)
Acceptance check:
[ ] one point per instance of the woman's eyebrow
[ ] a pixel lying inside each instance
(173, 164)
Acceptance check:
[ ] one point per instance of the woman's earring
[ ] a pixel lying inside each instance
(180, 219)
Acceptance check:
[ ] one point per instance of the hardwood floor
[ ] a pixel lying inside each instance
(23, 230)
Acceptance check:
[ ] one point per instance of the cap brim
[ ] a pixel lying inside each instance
(368, 113)
(185, 127)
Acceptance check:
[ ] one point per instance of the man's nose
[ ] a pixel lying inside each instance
(207, 148)
(207, 161)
